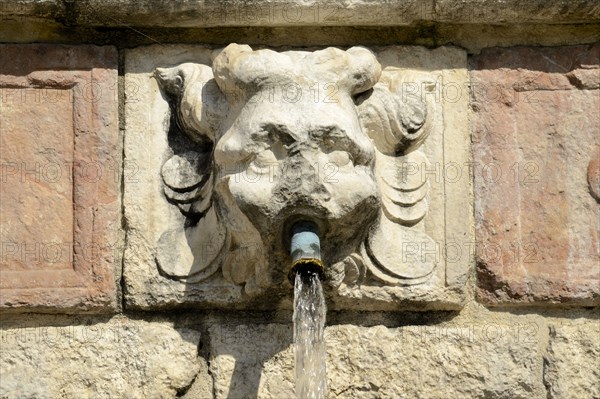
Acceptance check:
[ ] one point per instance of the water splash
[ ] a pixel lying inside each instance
(309, 339)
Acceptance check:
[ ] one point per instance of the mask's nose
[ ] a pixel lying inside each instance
(303, 173)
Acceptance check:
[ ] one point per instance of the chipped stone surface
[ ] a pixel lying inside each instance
(59, 357)
(474, 353)
(202, 387)
(60, 192)
(571, 361)
(252, 360)
(217, 186)
(535, 132)
(496, 357)
(447, 363)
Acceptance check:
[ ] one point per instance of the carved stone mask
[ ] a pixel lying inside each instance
(280, 137)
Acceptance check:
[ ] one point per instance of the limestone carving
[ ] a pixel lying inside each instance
(275, 137)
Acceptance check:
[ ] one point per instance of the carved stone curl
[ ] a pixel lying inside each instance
(279, 137)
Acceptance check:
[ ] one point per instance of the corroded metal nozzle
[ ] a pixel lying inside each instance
(305, 250)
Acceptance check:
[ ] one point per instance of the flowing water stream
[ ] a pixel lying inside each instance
(309, 328)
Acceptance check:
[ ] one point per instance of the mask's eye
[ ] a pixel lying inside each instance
(261, 136)
(272, 142)
(278, 133)
(264, 163)
(340, 158)
(265, 158)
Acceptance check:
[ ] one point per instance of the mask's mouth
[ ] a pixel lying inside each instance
(305, 250)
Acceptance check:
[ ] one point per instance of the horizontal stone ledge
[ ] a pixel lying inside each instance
(231, 13)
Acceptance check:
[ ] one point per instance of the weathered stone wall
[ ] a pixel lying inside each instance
(473, 353)
(524, 322)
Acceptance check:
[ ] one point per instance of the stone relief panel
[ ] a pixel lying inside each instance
(226, 149)
(536, 150)
(60, 201)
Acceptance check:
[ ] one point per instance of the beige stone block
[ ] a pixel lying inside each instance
(471, 356)
(56, 356)
(570, 364)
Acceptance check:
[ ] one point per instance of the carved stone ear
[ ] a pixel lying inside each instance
(190, 252)
(397, 124)
(200, 104)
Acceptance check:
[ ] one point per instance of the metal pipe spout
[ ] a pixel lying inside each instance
(305, 250)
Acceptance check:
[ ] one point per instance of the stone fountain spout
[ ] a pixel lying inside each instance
(254, 179)
(305, 250)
